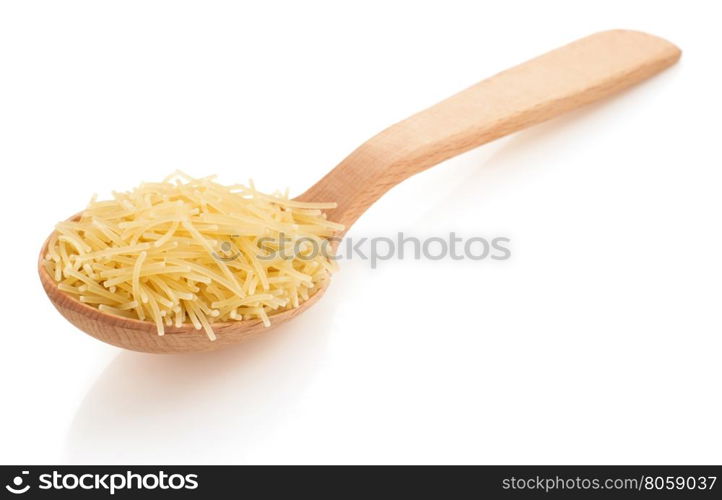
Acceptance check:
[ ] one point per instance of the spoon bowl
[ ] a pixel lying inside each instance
(137, 335)
(559, 81)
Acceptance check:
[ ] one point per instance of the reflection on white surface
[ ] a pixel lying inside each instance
(191, 407)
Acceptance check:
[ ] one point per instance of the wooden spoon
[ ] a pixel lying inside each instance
(562, 80)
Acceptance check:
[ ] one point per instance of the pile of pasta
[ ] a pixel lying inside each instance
(194, 251)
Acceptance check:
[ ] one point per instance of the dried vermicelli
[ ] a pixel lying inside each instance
(188, 250)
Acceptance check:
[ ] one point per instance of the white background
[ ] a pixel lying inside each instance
(598, 342)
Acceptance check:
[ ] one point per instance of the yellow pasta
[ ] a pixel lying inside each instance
(192, 251)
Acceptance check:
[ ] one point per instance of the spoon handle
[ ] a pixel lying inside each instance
(562, 80)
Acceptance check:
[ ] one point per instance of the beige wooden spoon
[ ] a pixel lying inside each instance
(559, 81)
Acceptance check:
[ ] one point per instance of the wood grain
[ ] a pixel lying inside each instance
(562, 80)
(552, 84)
